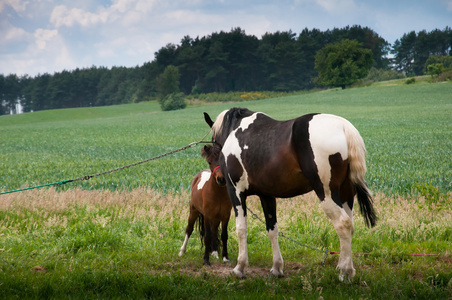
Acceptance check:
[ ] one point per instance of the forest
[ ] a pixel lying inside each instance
(224, 62)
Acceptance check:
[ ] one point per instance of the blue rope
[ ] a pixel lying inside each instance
(36, 187)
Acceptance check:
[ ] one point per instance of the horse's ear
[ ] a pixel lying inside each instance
(205, 151)
(208, 119)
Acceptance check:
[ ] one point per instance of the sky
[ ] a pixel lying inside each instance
(48, 36)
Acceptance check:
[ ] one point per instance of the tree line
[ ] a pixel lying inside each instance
(223, 62)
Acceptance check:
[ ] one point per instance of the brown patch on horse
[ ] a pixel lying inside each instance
(339, 172)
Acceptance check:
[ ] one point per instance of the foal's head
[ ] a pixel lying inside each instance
(212, 156)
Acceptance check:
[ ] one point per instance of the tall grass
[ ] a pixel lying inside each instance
(112, 244)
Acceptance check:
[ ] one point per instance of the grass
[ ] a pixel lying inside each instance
(406, 128)
(118, 235)
(84, 244)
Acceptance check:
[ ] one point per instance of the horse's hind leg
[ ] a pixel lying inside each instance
(269, 207)
(189, 230)
(343, 225)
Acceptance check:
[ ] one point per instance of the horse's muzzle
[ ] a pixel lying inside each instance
(221, 181)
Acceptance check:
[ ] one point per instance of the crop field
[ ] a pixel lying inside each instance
(118, 235)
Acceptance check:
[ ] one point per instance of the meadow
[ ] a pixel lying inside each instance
(118, 235)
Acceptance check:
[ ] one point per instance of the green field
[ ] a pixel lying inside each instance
(118, 235)
(407, 131)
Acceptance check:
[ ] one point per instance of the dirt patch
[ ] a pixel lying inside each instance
(224, 270)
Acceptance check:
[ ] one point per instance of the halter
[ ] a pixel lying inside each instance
(217, 167)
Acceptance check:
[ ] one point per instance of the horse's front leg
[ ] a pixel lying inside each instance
(269, 207)
(242, 232)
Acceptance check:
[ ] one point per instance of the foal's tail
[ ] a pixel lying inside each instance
(357, 157)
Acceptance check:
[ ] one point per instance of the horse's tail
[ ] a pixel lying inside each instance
(357, 157)
(201, 228)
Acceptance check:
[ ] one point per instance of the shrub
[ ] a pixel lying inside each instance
(435, 69)
(444, 76)
(410, 80)
(376, 75)
(173, 101)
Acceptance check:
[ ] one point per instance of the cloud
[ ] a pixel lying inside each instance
(62, 16)
(336, 6)
(17, 5)
(15, 34)
(42, 36)
(449, 5)
(129, 11)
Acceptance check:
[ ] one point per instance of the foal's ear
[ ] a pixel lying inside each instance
(208, 119)
(205, 151)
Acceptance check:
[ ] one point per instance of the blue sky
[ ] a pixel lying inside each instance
(47, 36)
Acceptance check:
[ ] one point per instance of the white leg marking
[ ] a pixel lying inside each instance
(344, 229)
(215, 254)
(348, 211)
(278, 263)
(184, 246)
(242, 260)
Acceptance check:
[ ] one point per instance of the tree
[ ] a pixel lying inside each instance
(168, 89)
(343, 63)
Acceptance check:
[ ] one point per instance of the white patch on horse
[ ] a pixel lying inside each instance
(348, 211)
(344, 229)
(278, 263)
(232, 147)
(184, 245)
(205, 176)
(246, 122)
(326, 135)
(242, 232)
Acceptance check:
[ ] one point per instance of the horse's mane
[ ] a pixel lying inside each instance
(227, 120)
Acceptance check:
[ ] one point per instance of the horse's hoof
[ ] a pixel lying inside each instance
(215, 254)
(226, 260)
(347, 276)
(277, 273)
(238, 273)
(206, 263)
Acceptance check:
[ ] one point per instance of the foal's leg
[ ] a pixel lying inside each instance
(189, 230)
(269, 207)
(343, 224)
(224, 239)
(207, 240)
(214, 232)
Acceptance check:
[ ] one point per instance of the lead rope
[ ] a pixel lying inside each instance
(87, 177)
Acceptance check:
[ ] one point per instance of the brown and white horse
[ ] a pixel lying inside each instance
(211, 205)
(268, 158)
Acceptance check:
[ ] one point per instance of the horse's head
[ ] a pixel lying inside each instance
(226, 122)
(212, 156)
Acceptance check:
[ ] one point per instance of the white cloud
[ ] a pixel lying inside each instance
(17, 5)
(336, 6)
(15, 34)
(62, 16)
(42, 36)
